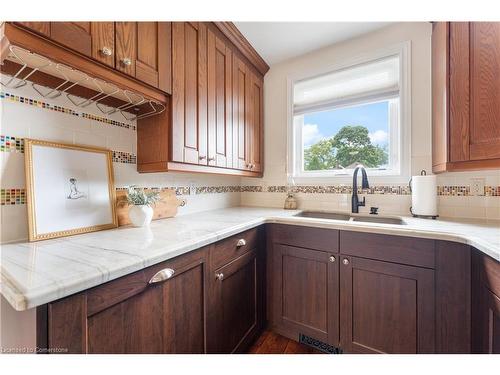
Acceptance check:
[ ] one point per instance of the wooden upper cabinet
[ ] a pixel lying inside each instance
(485, 90)
(103, 42)
(143, 50)
(189, 92)
(126, 47)
(74, 35)
(241, 83)
(466, 95)
(220, 129)
(255, 123)
(42, 28)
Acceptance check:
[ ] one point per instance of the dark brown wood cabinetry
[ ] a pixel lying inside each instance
(385, 307)
(236, 309)
(466, 95)
(305, 293)
(134, 315)
(486, 304)
(369, 293)
(208, 300)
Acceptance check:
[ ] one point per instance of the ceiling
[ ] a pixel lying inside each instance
(279, 41)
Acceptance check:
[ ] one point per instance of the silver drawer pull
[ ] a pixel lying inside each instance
(162, 275)
(241, 242)
(219, 276)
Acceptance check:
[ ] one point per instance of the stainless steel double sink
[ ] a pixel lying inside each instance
(347, 217)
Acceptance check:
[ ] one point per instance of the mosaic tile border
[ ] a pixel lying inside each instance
(444, 190)
(44, 105)
(12, 197)
(16, 144)
(11, 144)
(124, 157)
(16, 196)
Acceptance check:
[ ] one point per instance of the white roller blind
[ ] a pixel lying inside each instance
(375, 79)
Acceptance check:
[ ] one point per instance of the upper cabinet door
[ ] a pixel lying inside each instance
(146, 65)
(241, 83)
(126, 47)
(189, 92)
(485, 90)
(255, 122)
(103, 42)
(74, 35)
(220, 151)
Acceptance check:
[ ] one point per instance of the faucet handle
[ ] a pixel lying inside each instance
(363, 202)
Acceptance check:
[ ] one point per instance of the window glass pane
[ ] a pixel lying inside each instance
(342, 138)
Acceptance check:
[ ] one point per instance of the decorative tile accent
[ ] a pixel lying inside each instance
(253, 189)
(108, 121)
(36, 103)
(217, 189)
(124, 157)
(11, 144)
(492, 191)
(12, 196)
(179, 190)
(340, 189)
(69, 111)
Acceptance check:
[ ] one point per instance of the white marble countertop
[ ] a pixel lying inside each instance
(39, 272)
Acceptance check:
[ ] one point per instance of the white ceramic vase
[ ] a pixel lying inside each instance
(140, 216)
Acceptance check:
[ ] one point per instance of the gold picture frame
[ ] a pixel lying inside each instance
(34, 234)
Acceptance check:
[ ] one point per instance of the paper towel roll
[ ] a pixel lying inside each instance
(424, 195)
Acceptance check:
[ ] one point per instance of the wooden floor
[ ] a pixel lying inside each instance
(272, 343)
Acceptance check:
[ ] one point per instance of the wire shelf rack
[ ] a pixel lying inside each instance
(131, 105)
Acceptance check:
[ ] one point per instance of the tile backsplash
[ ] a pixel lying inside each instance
(25, 114)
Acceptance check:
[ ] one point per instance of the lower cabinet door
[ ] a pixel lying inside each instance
(385, 307)
(305, 293)
(489, 322)
(235, 305)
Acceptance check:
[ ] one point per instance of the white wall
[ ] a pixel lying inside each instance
(275, 130)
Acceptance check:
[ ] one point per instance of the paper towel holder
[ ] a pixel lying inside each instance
(423, 172)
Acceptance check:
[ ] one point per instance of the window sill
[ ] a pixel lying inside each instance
(347, 180)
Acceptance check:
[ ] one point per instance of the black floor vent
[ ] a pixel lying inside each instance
(319, 345)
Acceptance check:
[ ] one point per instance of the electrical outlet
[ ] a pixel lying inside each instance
(192, 188)
(477, 186)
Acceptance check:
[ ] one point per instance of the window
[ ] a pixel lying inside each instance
(351, 116)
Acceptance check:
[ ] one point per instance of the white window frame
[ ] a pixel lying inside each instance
(400, 171)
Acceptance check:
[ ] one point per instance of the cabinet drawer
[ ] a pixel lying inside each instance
(311, 238)
(115, 291)
(229, 249)
(396, 249)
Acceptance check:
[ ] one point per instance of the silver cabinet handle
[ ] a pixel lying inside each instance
(345, 261)
(211, 159)
(332, 259)
(126, 61)
(106, 51)
(219, 276)
(202, 157)
(162, 275)
(241, 242)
